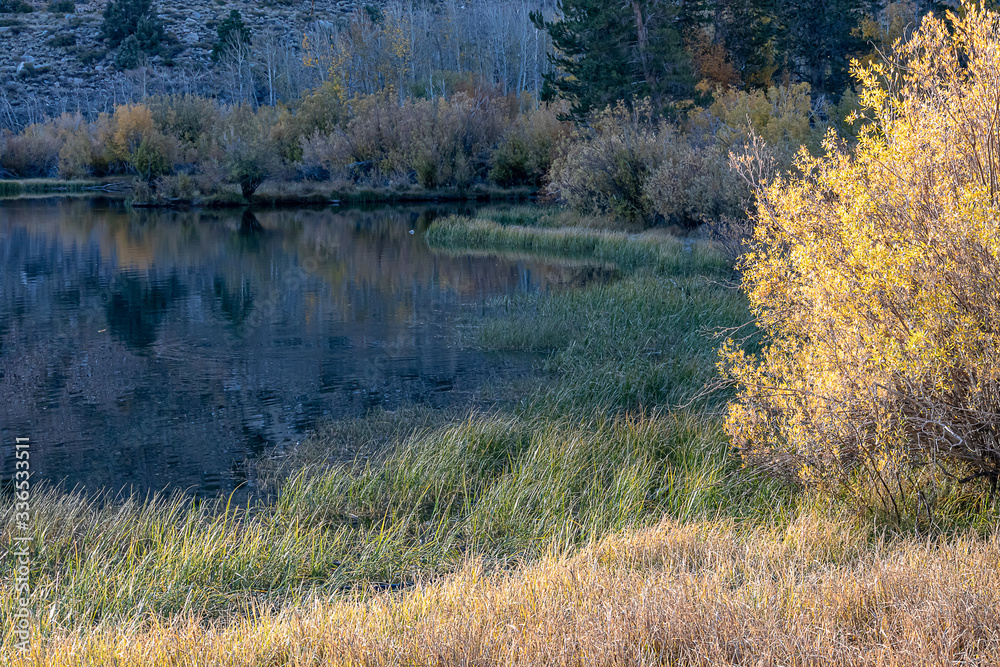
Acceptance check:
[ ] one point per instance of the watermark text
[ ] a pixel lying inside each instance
(21, 542)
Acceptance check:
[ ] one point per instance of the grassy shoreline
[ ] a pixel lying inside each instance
(273, 194)
(294, 195)
(55, 186)
(815, 592)
(596, 518)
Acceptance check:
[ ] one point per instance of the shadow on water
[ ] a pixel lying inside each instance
(160, 349)
(249, 225)
(136, 307)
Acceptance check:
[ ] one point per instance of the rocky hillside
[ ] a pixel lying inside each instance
(53, 61)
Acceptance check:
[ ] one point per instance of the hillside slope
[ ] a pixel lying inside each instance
(54, 62)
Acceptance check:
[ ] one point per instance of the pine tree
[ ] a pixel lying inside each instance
(608, 51)
(749, 29)
(129, 54)
(232, 30)
(123, 18)
(819, 37)
(149, 31)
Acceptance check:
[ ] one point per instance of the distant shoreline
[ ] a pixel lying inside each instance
(279, 194)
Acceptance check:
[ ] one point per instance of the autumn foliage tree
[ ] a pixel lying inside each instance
(133, 144)
(874, 276)
(250, 151)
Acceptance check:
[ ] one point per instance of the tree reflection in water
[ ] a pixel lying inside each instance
(161, 348)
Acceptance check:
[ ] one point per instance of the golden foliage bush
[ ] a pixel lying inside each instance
(133, 144)
(875, 280)
(782, 116)
(80, 155)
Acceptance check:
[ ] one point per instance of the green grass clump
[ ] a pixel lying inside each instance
(499, 487)
(508, 486)
(644, 341)
(11, 189)
(542, 216)
(629, 252)
(103, 562)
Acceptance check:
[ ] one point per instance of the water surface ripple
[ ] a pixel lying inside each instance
(162, 349)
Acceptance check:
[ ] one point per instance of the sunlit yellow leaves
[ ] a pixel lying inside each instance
(875, 278)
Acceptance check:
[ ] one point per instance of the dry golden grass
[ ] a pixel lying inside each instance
(819, 592)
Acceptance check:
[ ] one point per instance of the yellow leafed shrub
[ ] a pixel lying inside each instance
(782, 116)
(132, 141)
(874, 276)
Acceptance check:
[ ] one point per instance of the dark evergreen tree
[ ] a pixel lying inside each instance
(15, 7)
(124, 18)
(608, 51)
(231, 30)
(805, 40)
(819, 37)
(149, 32)
(750, 31)
(129, 54)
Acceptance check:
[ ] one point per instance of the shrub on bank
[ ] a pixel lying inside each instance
(374, 140)
(605, 172)
(435, 143)
(34, 153)
(133, 144)
(80, 153)
(694, 182)
(126, 142)
(629, 164)
(634, 166)
(875, 280)
(321, 112)
(250, 152)
(529, 147)
(453, 139)
(191, 119)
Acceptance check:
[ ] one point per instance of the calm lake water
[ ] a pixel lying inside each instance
(162, 349)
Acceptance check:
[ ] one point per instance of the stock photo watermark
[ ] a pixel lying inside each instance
(21, 543)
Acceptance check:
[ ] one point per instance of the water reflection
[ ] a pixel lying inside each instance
(161, 348)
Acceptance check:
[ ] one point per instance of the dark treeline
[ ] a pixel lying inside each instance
(623, 109)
